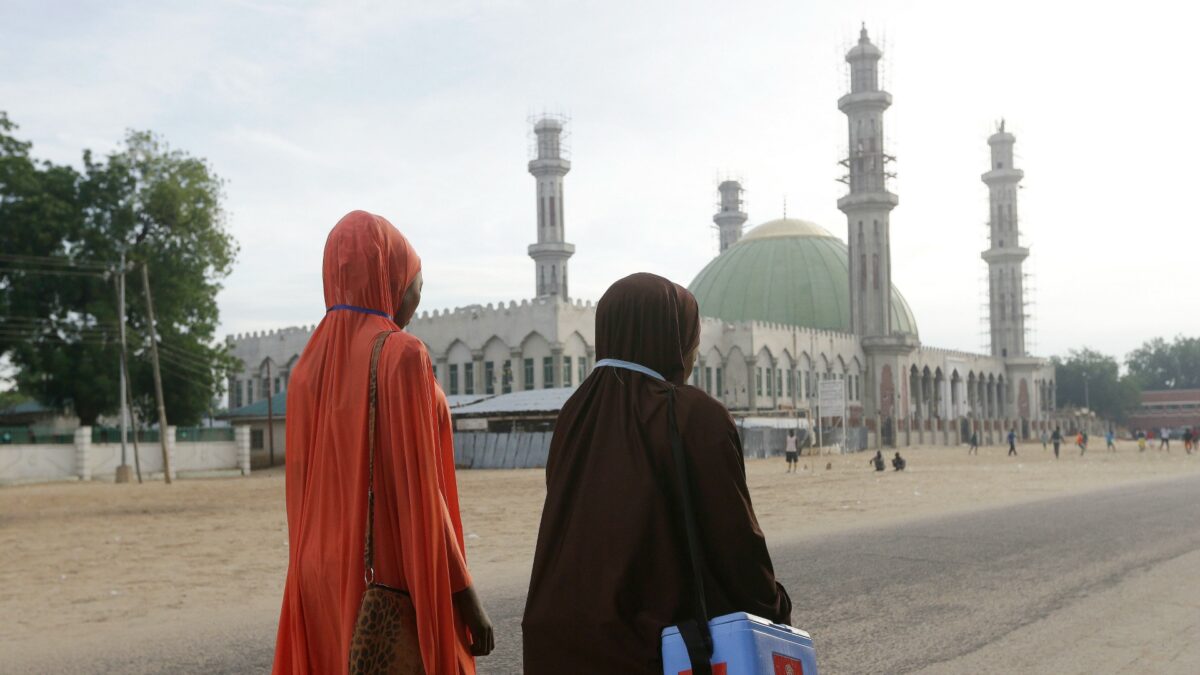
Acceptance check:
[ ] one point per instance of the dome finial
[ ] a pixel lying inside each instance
(785, 207)
(862, 34)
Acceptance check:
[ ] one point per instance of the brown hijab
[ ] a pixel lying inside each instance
(611, 568)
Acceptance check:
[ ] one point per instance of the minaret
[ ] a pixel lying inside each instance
(1006, 287)
(730, 218)
(551, 252)
(869, 204)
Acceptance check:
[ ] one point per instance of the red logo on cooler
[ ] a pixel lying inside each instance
(786, 665)
(717, 668)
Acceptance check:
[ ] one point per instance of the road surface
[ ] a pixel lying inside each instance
(1104, 579)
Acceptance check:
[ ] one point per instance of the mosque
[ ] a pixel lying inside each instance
(785, 306)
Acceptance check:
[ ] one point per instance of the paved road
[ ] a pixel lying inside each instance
(891, 600)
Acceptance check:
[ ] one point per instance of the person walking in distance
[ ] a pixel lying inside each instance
(974, 447)
(1165, 439)
(1012, 442)
(1056, 438)
(791, 452)
(1110, 440)
(1188, 440)
(1045, 438)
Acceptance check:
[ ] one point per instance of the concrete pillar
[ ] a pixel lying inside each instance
(443, 372)
(556, 354)
(478, 385)
(83, 451)
(700, 374)
(170, 437)
(517, 364)
(241, 442)
(773, 374)
(752, 382)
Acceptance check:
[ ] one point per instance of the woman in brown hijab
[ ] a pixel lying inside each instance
(611, 568)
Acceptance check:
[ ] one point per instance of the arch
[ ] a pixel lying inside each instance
(736, 380)
(535, 348)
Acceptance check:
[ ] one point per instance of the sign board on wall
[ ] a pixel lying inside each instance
(832, 397)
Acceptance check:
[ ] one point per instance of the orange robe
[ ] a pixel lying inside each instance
(418, 531)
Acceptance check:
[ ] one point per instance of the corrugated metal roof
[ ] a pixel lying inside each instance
(259, 408)
(459, 400)
(531, 401)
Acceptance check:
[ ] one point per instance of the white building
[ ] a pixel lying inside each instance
(785, 306)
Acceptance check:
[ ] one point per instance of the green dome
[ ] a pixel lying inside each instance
(786, 271)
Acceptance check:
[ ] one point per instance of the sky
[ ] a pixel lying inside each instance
(421, 112)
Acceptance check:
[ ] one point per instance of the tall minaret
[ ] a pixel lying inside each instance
(551, 252)
(1006, 287)
(730, 218)
(869, 204)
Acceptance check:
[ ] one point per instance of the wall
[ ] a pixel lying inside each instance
(84, 460)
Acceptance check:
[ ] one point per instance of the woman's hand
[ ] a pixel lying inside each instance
(471, 610)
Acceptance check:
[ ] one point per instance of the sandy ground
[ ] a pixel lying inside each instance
(87, 562)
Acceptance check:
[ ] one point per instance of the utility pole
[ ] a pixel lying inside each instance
(137, 461)
(123, 472)
(270, 416)
(158, 390)
(1087, 402)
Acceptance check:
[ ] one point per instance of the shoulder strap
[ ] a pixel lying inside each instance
(695, 632)
(372, 396)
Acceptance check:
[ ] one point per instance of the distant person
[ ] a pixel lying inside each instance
(898, 462)
(1165, 439)
(877, 461)
(1012, 442)
(791, 452)
(1080, 443)
(1110, 441)
(1141, 441)
(974, 447)
(1188, 436)
(1056, 438)
(1045, 438)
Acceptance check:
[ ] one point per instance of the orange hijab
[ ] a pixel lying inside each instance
(418, 532)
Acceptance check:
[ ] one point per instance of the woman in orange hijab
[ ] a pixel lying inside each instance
(372, 284)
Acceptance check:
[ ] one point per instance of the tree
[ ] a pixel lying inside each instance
(161, 207)
(1106, 392)
(1159, 364)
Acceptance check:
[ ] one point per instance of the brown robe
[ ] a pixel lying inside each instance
(611, 568)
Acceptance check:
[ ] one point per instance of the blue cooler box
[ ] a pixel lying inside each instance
(745, 645)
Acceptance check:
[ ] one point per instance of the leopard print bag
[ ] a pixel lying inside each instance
(385, 634)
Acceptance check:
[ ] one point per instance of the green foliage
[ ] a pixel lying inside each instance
(161, 207)
(1159, 364)
(1087, 378)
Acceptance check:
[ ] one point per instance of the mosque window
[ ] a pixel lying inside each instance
(506, 378)
(720, 380)
(468, 378)
(778, 382)
(566, 371)
(791, 383)
(708, 379)
(758, 380)
(528, 374)
(582, 362)
(862, 270)
(453, 379)
(553, 214)
(489, 377)
(875, 271)
(237, 393)
(547, 372)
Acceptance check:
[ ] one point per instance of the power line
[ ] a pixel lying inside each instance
(55, 260)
